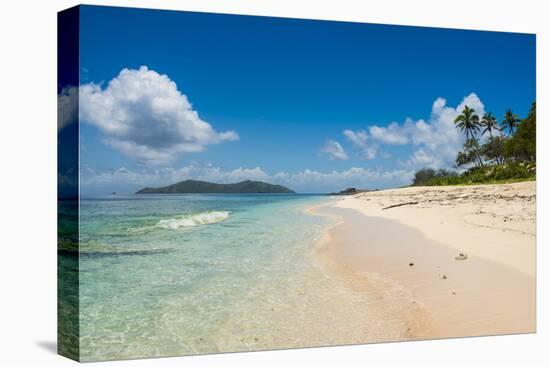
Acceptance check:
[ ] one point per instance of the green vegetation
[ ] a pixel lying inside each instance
(498, 173)
(429, 177)
(507, 155)
(202, 187)
(468, 122)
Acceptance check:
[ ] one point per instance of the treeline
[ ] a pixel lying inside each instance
(508, 153)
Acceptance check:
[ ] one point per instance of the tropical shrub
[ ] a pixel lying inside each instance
(522, 146)
(501, 158)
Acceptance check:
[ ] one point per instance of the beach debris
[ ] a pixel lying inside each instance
(396, 205)
(411, 264)
(461, 256)
(443, 276)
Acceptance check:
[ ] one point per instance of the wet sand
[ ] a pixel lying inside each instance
(322, 304)
(412, 249)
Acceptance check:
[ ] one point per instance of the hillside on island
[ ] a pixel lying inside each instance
(203, 187)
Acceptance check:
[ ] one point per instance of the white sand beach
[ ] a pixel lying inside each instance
(465, 254)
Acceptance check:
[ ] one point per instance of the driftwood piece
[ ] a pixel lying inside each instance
(396, 205)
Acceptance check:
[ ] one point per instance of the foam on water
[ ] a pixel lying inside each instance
(191, 279)
(193, 220)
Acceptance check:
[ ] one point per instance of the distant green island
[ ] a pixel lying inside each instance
(203, 187)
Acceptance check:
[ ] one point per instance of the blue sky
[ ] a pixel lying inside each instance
(316, 105)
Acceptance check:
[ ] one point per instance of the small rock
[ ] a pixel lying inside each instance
(461, 256)
(454, 293)
(443, 276)
(411, 264)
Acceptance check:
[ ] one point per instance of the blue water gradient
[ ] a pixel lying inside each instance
(161, 274)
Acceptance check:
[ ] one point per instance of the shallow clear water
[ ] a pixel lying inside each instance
(163, 274)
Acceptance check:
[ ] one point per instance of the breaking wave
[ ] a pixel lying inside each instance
(193, 220)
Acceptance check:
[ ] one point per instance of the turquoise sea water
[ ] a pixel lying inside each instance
(163, 275)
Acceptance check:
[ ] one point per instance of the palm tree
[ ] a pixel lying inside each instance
(510, 121)
(489, 122)
(468, 122)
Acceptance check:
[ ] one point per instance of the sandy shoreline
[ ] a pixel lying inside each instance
(410, 250)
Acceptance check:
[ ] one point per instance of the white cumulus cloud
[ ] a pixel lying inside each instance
(359, 139)
(437, 140)
(334, 150)
(434, 141)
(391, 134)
(67, 107)
(144, 116)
